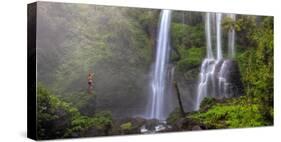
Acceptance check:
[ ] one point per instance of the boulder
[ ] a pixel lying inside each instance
(187, 124)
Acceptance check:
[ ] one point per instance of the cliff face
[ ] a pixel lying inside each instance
(187, 89)
(232, 75)
(227, 70)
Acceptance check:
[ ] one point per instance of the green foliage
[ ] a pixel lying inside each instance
(187, 40)
(84, 102)
(103, 119)
(255, 108)
(185, 36)
(207, 103)
(126, 126)
(81, 124)
(188, 17)
(257, 63)
(234, 113)
(147, 19)
(174, 116)
(58, 119)
(190, 58)
(54, 116)
(245, 26)
(257, 67)
(229, 24)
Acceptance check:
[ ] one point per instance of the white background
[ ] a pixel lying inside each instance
(13, 63)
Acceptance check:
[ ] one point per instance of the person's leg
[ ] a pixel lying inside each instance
(90, 87)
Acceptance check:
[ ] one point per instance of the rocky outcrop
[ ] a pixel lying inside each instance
(127, 126)
(232, 74)
(187, 88)
(139, 125)
(184, 124)
(225, 82)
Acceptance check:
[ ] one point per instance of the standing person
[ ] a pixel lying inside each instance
(90, 82)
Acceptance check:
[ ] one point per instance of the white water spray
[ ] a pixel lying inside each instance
(218, 27)
(159, 73)
(231, 38)
(213, 78)
(208, 36)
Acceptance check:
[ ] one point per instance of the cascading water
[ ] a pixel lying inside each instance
(218, 27)
(208, 36)
(207, 67)
(231, 38)
(214, 74)
(159, 72)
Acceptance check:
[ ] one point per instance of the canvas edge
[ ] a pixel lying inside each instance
(31, 71)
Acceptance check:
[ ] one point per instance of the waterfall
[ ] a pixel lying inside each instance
(218, 27)
(208, 65)
(208, 36)
(214, 72)
(159, 71)
(231, 38)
